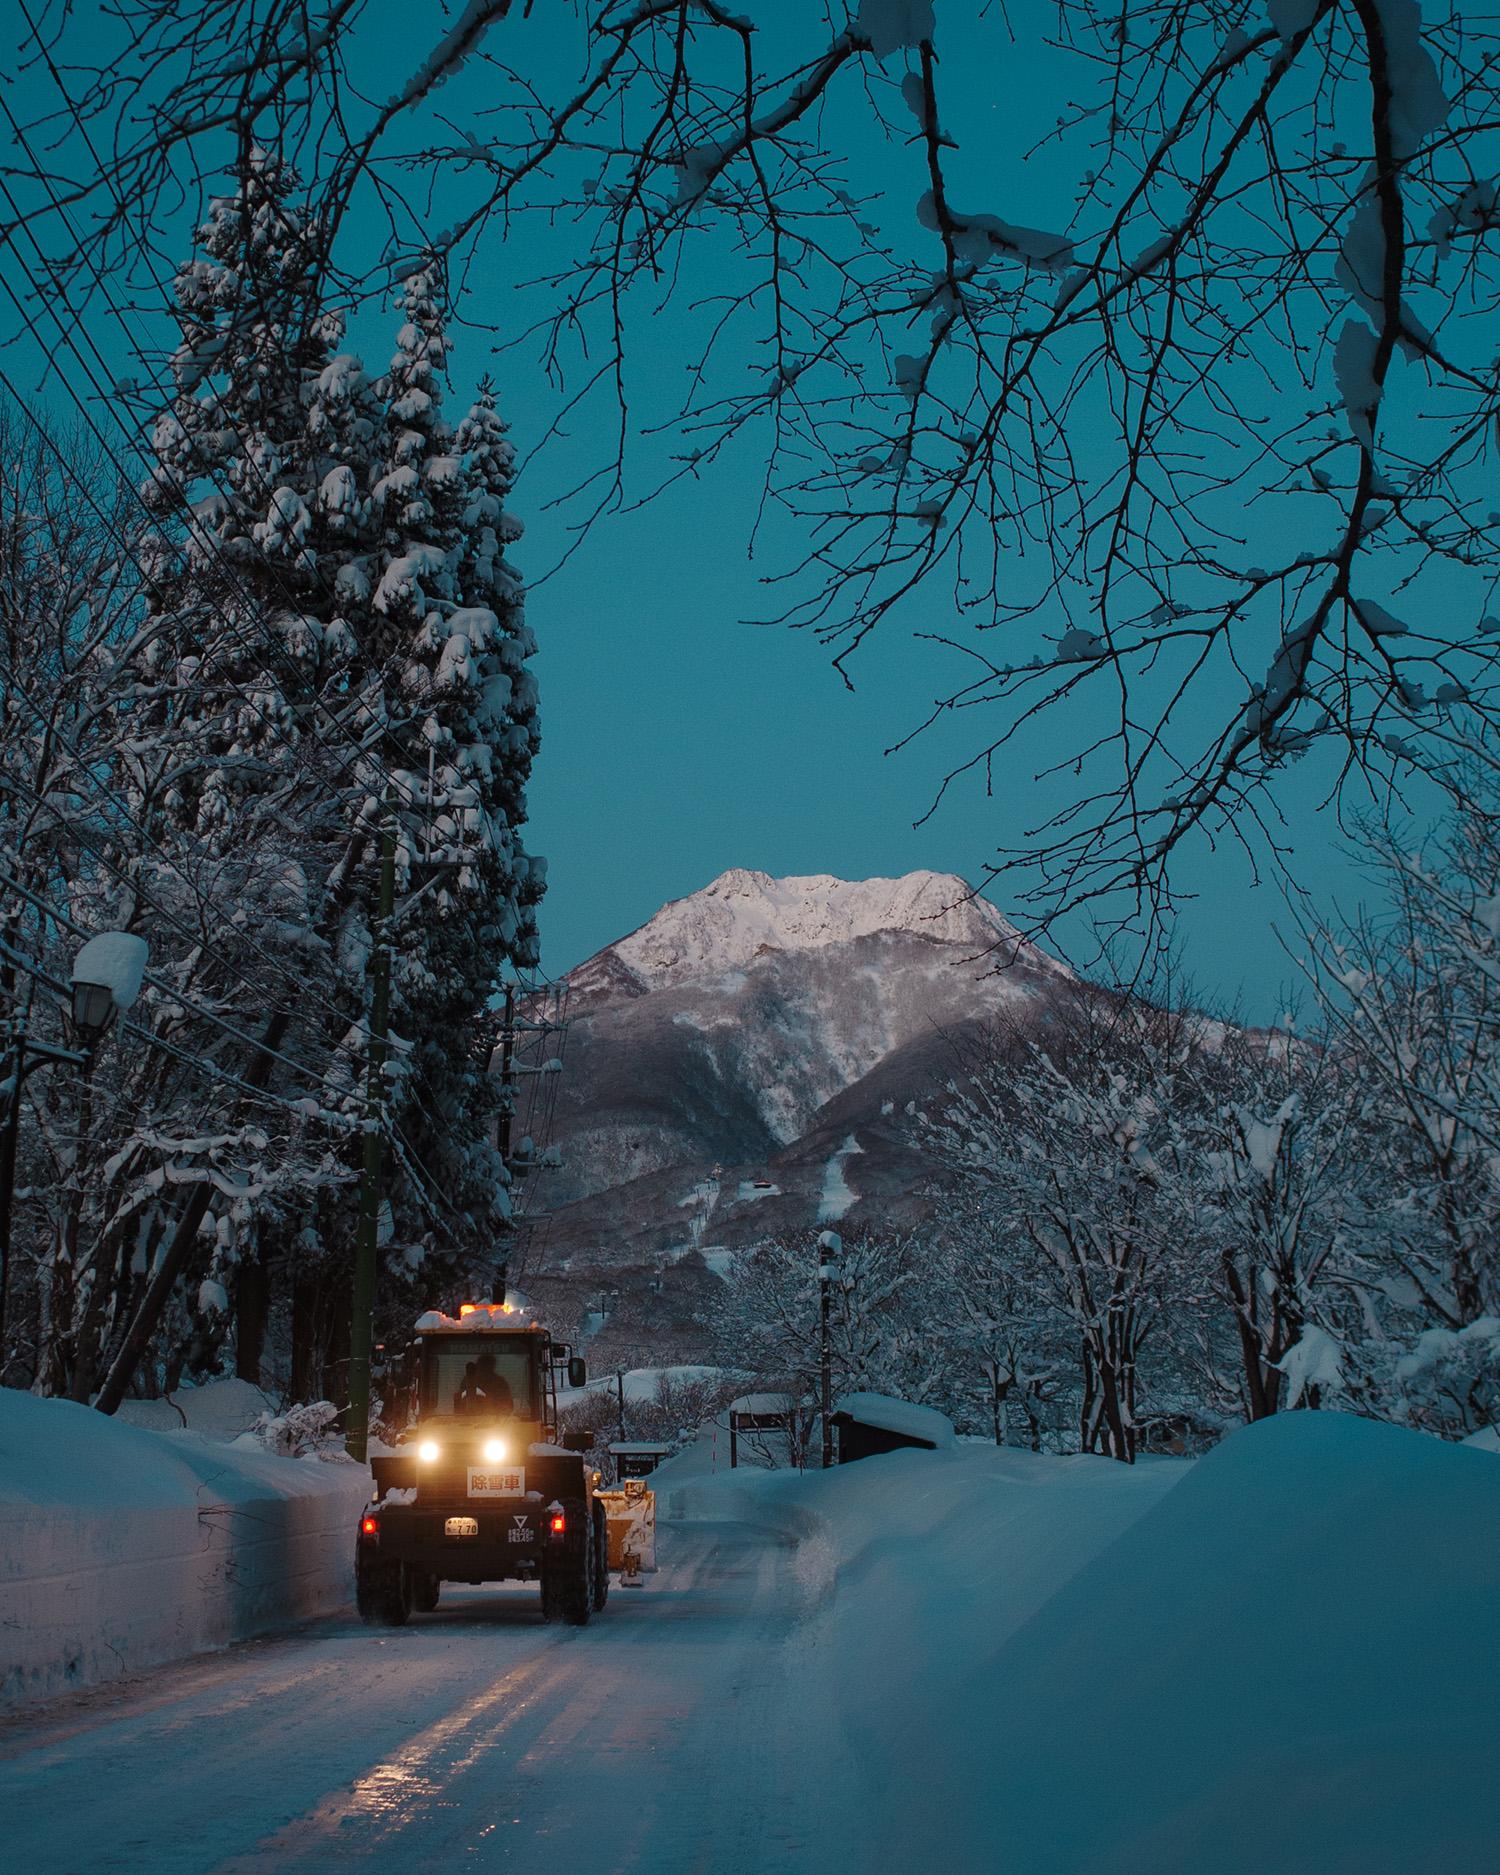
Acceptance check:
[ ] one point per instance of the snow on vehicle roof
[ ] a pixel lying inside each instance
(478, 1318)
(891, 1415)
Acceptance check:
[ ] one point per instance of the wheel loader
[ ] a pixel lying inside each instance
(481, 1489)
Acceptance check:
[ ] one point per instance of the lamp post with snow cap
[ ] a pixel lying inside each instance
(830, 1249)
(106, 979)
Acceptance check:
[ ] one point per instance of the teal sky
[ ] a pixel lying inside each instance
(680, 740)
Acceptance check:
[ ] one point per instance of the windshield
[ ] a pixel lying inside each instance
(478, 1377)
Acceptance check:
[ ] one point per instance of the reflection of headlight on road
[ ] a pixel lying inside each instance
(494, 1451)
(429, 1450)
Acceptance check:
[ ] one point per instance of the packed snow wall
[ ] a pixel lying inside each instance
(122, 1548)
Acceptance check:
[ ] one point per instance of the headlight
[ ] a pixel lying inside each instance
(429, 1450)
(494, 1451)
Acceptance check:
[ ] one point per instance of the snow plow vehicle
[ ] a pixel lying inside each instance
(481, 1489)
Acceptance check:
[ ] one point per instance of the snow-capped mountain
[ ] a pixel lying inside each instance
(743, 1063)
(744, 916)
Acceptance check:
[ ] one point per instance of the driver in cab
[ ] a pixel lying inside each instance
(482, 1390)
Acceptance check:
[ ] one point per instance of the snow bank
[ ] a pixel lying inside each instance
(121, 1548)
(1290, 1662)
(223, 1409)
(1287, 1662)
(1280, 1656)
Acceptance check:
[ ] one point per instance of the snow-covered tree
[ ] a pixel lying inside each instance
(1411, 997)
(1004, 1364)
(326, 644)
(1063, 1140)
(1262, 1188)
(767, 1318)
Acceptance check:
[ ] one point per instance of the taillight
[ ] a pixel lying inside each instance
(559, 1524)
(369, 1526)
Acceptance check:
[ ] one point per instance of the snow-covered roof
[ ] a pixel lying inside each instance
(892, 1415)
(762, 1403)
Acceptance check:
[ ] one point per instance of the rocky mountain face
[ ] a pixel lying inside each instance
(744, 1064)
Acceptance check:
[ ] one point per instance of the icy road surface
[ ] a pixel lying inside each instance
(686, 1731)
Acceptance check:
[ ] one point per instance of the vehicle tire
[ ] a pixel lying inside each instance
(552, 1597)
(425, 1589)
(578, 1573)
(601, 1558)
(382, 1591)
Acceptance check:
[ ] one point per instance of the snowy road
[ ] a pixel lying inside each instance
(688, 1731)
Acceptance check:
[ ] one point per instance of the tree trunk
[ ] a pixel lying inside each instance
(303, 1378)
(338, 1306)
(252, 1304)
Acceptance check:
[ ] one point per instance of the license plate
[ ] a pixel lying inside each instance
(497, 1481)
(461, 1526)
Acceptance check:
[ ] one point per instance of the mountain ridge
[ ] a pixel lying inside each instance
(743, 1039)
(744, 914)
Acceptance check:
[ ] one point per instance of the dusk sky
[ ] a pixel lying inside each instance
(680, 739)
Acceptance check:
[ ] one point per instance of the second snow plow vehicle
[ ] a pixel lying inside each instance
(482, 1490)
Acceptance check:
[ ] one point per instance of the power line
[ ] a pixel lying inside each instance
(299, 986)
(201, 1064)
(139, 348)
(349, 1123)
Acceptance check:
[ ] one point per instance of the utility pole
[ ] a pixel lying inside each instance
(829, 1245)
(356, 1437)
(11, 1076)
(505, 1140)
(508, 1073)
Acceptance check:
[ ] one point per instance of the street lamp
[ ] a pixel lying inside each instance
(830, 1249)
(106, 977)
(93, 1005)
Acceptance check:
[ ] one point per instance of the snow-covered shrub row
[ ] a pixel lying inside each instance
(1153, 1226)
(302, 632)
(125, 1548)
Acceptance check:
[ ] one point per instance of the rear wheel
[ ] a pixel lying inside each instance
(425, 1589)
(568, 1582)
(382, 1589)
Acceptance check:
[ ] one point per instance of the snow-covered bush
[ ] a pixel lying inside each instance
(300, 1431)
